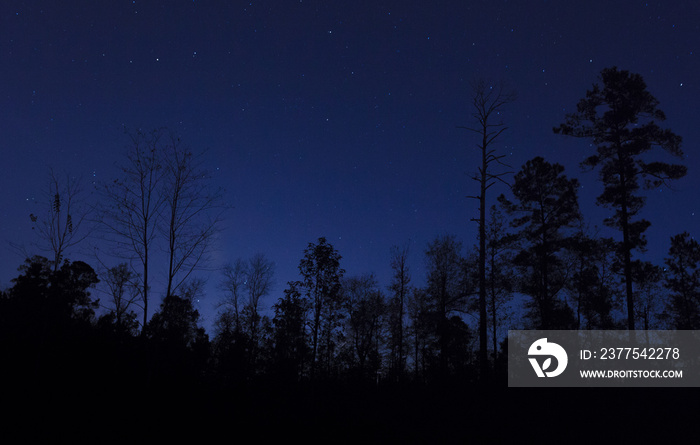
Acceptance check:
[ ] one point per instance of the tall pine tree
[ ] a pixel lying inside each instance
(620, 118)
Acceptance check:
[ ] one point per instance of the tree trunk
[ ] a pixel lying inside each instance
(626, 248)
(145, 289)
(400, 367)
(628, 268)
(483, 357)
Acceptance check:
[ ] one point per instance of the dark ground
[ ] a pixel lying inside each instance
(359, 416)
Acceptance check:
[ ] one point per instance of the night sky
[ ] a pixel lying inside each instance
(335, 119)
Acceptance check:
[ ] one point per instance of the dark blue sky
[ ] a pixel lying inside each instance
(333, 119)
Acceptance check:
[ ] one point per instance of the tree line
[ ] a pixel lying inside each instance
(534, 245)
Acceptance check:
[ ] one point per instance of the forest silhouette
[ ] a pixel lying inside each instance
(391, 358)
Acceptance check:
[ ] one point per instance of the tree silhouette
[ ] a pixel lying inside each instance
(56, 296)
(290, 346)
(122, 284)
(364, 323)
(290, 340)
(64, 222)
(233, 284)
(649, 294)
(422, 316)
(192, 210)
(259, 279)
(229, 349)
(245, 283)
(621, 120)
(546, 205)
(321, 276)
(132, 205)
(487, 103)
(176, 322)
(683, 281)
(592, 279)
(400, 288)
(179, 345)
(500, 275)
(45, 320)
(445, 290)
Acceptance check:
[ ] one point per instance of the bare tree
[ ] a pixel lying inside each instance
(133, 204)
(123, 287)
(487, 102)
(162, 190)
(193, 289)
(259, 281)
(233, 283)
(245, 284)
(64, 222)
(192, 212)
